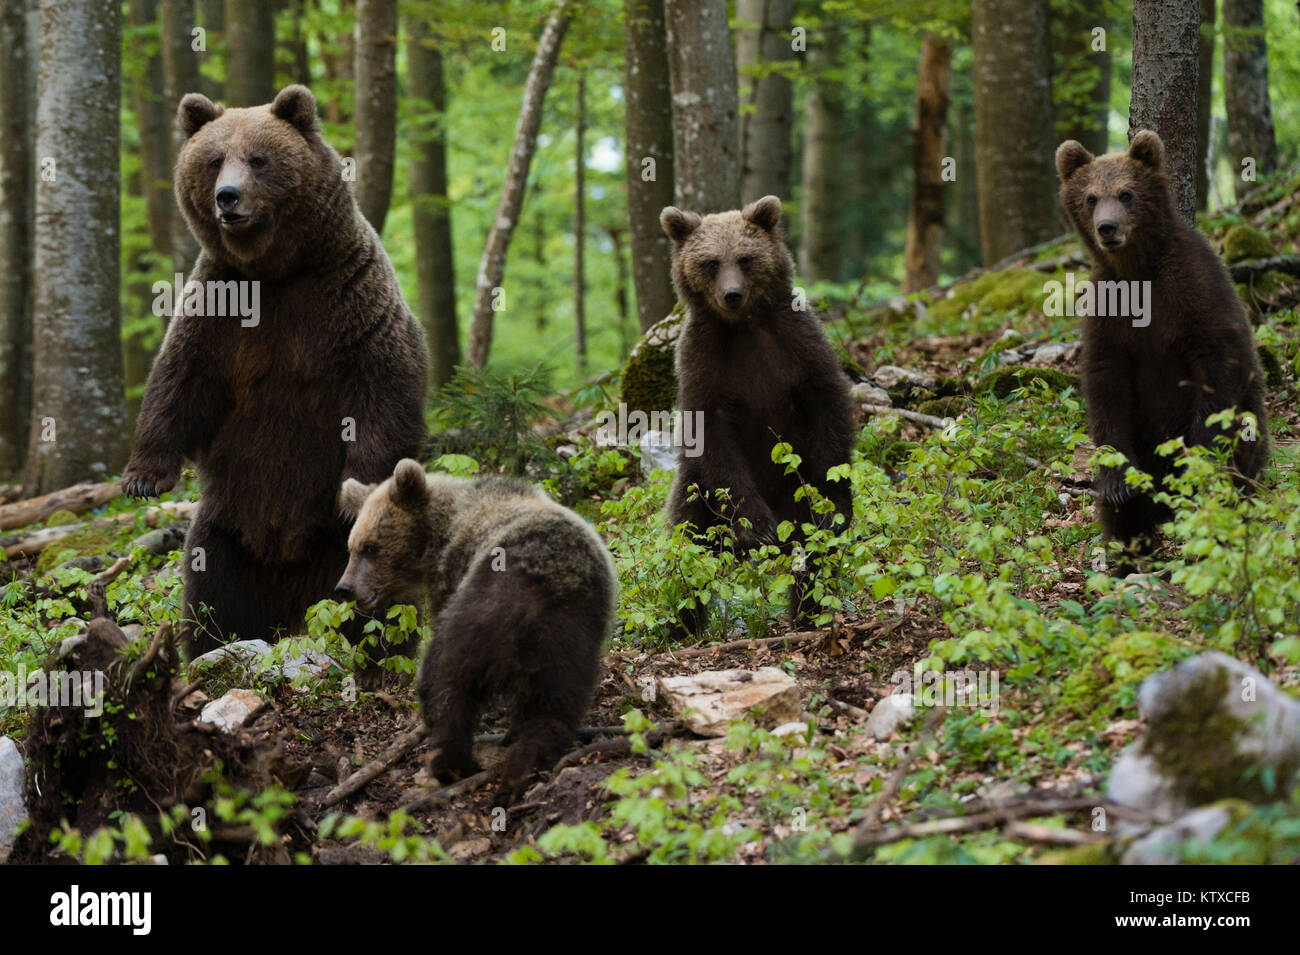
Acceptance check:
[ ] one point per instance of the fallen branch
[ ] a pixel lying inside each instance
(1037, 832)
(871, 821)
(357, 781)
(447, 793)
(929, 420)
(30, 543)
(750, 643)
(77, 499)
(1245, 271)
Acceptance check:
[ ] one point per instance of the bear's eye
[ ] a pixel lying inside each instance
(215, 162)
(712, 265)
(257, 162)
(1092, 201)
(1126, 197)
(746, 261)
(370, 550)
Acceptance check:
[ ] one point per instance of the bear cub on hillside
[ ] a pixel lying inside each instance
(325, 382)
(760, 371)
(523, 592)
(1146, 384)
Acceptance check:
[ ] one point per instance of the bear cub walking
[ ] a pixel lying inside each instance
(1191, 355)
(760, 371)
(523, 591)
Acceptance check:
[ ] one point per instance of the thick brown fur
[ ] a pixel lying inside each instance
(759, 370)
(523, 593)
(261, 409)
(1146, 385)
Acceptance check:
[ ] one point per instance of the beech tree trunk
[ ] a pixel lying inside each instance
(430, 208)
(1014, 134)
(823, 159)
(706, 127)
(376, 106)
(925, 219)
(78, 428)
(180, 76)
(492, 267)
(17, 163)
(1204, 97)
(212, 17)
(250, 52)
(648, 156)
(765, 127)
(1245, 91)
(1166, 54)
(1081, 74)
(580, 226)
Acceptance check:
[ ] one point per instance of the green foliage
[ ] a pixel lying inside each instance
(489, 416)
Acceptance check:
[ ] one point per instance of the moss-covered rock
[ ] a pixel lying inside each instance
(1243, 243)
(1003, 381)
(1110, 677)
(61, 518)
(87, 542)
(1272, 367)
(649, 377)
(1015, 290)
(949, 407)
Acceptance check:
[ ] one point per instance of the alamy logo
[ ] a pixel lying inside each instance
(977, 689)
(83, 689)
(628, 427)
(1131, 299)
(133, 909)
(210, 299)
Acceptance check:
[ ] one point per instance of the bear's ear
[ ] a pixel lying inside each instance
(296, 106)
(678, 225)
(765, 213)
(1071, 156)
(1147, 149)
(352, 495)
(410, 484)
(195, 112)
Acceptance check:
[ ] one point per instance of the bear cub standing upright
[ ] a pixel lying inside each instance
(760, 371)
(1191, 356)
(324, 382)
(523, 591)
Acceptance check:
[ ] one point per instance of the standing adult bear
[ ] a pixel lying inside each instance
(1189, 356)
(324, 382)
(759, 370)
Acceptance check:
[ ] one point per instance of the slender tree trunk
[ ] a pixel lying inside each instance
(706, 128)
(1204, 97)
(765, 128)
(430, 207)
(376, 106)
(1014, 135)
(78, 428)
(1081, 74)
(620, 292)
(963, 233)
(295, 44)
(154, 123)
(580, 226)
(180, 76)
(250, 52)
(212, 16)
(1166, 50)
(16, 201)
(648, 156)
(925, 220)
(823, 163)
(1245, 91)
(492, 267)
(338, 58)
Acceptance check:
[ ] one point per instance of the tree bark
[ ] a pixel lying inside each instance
(1204, 97)
(375, 96)
(295, 44)
(78, 428)
(1166, 51)
(765, 127)
(430, 206)
(212, 14)
(706, 128)
(1081, 75)
(492, 267)
(823, 157)
(180, 76)
(648, 157)
(925, 220)
(1245, 91)
(250, 52)
(1014, 134)
(580, 226)
(17, 164)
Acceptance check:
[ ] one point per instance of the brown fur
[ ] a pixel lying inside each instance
(261, 408)
(760, 371)
(523, 594)
(1146, 385)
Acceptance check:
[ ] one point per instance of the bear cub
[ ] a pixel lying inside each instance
(1145, 384)
(759, 370)
(522, 591)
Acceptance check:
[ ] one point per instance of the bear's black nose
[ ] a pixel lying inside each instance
(227, 198)
(344, 592)
(1106, 228)
(733, 297)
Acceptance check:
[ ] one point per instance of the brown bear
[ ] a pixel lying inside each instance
(1159, 375)
(523, 592)
(758, 369)
(323, 380)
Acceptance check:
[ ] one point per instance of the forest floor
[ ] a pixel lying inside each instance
(974, 548)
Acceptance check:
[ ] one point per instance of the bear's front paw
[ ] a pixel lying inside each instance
(149, 479)
(1111, 488)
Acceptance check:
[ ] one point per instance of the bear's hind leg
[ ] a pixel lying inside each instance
(224, 596)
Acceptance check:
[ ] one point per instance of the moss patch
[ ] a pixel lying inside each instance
(1243, 243)
(649, 377)
(88, 542)
(1109, 679)
(1016, 290)
(1272, 367)
(1003, 381)
(949, 407)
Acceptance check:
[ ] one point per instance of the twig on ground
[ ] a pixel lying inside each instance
(447, 793)
(754, 643)
(357, 781)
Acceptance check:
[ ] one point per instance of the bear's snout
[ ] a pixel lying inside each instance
(734, 297)
(227, 198)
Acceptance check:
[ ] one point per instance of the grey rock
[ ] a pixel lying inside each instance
(1158, 847)
(13, 780)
